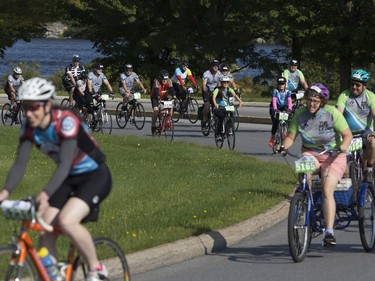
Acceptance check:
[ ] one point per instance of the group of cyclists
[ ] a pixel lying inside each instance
(322, 126)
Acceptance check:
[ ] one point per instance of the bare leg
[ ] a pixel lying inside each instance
(329, 184)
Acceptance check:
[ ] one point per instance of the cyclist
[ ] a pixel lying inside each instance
(14, 81)
(294, 78)
(81, 94)
(82, 178)
(70, 77)
(224, 71)
(96, 79)
(161, 89)
(178, 81)
(281, 101)
(358, 106)
(127, 80)
(322, 126)
(220, 99)
(211, 79)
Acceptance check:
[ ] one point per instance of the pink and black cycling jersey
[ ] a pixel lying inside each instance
(65, 125)
(319, 131)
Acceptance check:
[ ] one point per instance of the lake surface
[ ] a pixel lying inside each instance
(56, 54)
(50, 54)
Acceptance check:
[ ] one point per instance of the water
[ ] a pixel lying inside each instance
(50, 54)
(56, 54)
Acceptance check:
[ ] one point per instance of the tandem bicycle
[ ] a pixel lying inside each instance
(306, 221)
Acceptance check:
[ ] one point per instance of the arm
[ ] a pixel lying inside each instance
(105, 81)
(191, 78)
(181, 81)
(18, 169)
(289, 140)
(346, 139)
(290, 103)
(214, 94)
(141, 86)
(71, 78)
(123, 85)
(89, 85)
(204, 84)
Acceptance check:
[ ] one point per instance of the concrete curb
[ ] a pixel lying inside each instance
(196, 246)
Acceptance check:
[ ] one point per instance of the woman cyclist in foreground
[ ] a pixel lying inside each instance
(82, 179)
(321, 127)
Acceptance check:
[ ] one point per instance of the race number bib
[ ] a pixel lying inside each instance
(305, 164)
(283, 116)
(356, 144)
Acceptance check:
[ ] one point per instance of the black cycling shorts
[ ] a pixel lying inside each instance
(91, 187)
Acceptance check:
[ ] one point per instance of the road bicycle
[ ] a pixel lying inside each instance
(305, 218)
(20, 260)
(187, 108)
(132, 112)
(282, 129)
(102, 118)
(166, 125)
(228, 131)
(11, 115)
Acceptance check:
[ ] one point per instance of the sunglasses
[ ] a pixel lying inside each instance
(354, 84)
(33, 106)
(313, 101)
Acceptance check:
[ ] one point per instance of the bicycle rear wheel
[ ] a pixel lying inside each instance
(121, 116)
(105, 121)
(7, 114)
(111, 256)
(231, 134)
(299, 234)
(236, 119)
(167, 127)
(192, 110)
(366, 214)
(9, 267)
(176, 111)
(139, 116)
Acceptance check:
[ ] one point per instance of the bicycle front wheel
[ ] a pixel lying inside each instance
(167, 127)
(64, 103)
(192, 110)
(7, 114)
(176, 111)
(105, 122)
(21, 116)
(111, 256)
(366, 214)
(10, 268)
(299, 231)
(231, 134)
(121, 116)
(139, 116)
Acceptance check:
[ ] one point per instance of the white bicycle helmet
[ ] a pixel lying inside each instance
(17, 70)
(36, 89)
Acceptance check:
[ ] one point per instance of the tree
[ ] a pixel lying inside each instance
(22, 20)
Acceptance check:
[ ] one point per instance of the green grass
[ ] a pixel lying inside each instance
(164, 191)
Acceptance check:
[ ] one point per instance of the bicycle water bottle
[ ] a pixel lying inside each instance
(49, 263)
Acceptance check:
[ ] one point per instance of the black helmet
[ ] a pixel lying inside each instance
(83, 75)
(128, 66)
(98, 66)
(224, 67)
(293, 62)
(76, 58)
(280, 80)
(184, 63)
(163, 75)
(215, 63)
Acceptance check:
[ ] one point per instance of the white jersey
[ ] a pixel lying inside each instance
(16, 83)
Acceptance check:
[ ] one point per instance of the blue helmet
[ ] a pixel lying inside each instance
(360, 75)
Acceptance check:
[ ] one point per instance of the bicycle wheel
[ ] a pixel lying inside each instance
(21, 115)
(64, 103)
(192, 110)
(236, 119)
(176, 111)
(366, 214)
(7, 114)
(9, 266)
(105, 122)
(231, 133)
(111, 255)
(121, 116)
(219, 140)
(167, 127)
(139, 116)
(278, 137)
(299, 234)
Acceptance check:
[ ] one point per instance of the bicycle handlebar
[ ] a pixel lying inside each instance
(24, 210)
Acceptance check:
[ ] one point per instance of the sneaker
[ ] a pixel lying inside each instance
(271, 142)
(329, 240)
(369, 176)
(99, 274)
